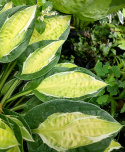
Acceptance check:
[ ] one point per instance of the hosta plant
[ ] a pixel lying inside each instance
(52, 115)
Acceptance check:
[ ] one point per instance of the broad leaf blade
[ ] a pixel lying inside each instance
(39, 58)
(88, 10)
(13, 32)
(40, 113)
(69, 85)
(7, 138)
(63, 131)
(55, 27)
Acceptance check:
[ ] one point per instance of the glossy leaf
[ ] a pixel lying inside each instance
(41, 57)
(48, 115)
(63, 131)
(69, 85)
(88, 10)
(7, 138)
(13, 32)
(55, 27)
(112, 146)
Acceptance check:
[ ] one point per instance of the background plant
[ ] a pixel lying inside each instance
(59, 89)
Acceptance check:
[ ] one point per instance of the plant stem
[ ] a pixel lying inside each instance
(18, 107)
(6, 73)
(10, 91)
(21, 99)
(20, 94)
(113, 107)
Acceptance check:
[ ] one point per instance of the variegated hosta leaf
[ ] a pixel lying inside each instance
(7, 138)
(25, 134)
(69, 84)
(55, 27)
(63, 131)
(6, 7)
(14, 149)
(14, 29)
(41, 57)
(67, 65)
(112, 146)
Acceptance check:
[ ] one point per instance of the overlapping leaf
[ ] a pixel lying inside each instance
(15, 33)
(7, 137)
(63, 82)
(39, 58)
(55, 27)
(71, 124)
(63, 131)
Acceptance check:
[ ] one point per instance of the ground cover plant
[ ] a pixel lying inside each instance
(49, 98)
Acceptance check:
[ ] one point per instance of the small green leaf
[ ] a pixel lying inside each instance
(121, 44)
(113, 145)
(123, 109)
(7, 138)
(102, 99)
(122, 84)
(113, 90)
(101, 69)
(63, 131)
(115, 70)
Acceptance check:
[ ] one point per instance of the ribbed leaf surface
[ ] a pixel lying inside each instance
(70, 85)
(55, 26)
(63, 131)
(7, 138)
(14, 29)
(41, 57)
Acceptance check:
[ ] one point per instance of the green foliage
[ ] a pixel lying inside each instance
(31, 38)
